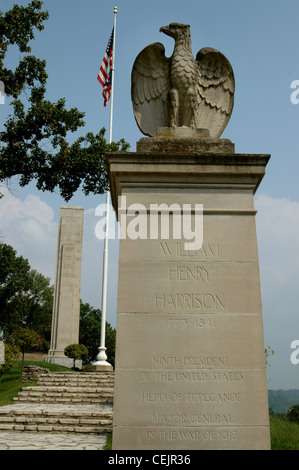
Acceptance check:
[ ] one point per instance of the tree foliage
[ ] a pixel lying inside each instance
(268, 352)
(293, 414)
(76, 352)
(34, 143)
(90, 333)
(26, 302)
(11, 356)
(26, 296)
(25, 339)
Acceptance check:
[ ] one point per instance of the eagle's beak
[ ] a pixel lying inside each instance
(166, 30)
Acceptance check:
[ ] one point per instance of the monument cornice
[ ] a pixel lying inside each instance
(157, 171)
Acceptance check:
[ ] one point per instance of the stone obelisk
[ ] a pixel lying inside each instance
(66, 305)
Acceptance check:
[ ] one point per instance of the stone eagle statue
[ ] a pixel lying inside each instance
(180, 91)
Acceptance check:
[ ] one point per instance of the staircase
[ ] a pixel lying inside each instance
(63, 402)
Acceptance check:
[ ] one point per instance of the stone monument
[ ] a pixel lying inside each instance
(190, 368)
(66, 305)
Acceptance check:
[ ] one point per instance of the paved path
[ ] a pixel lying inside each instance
(25, 440)
(20, 440)
(40, 421)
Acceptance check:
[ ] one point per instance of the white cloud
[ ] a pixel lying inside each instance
(280, 218)
(278, 237)
(29, 226)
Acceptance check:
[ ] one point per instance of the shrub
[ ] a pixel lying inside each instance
(293, 414)
(25, 339)
(11, 357)
(76, 352)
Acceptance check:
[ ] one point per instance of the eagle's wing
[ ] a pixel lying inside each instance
(215, 91)
(149, 89)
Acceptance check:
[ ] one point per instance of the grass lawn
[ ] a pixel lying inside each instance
(11, 382)
(284, 434)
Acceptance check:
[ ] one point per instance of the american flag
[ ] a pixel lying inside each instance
(105, 72)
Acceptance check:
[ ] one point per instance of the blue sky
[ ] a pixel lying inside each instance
(260, 39)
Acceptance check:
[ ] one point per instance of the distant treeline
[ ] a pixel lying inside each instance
(281, 400)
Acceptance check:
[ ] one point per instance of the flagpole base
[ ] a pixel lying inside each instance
(96, 367)
(101, 365)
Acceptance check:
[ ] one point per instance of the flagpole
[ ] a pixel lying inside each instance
(101, 363)
(112, 78)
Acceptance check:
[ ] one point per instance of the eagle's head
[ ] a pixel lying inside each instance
(176, 30)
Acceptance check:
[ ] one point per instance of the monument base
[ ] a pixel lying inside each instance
(182, 143)
(183, 132)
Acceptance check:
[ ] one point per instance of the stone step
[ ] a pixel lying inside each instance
(66, 394)
(83, 379)
(78, 374)
(67, 397)
(75, 382)
(82, 376)
(74, 385)
(62, 402)
(67, 389)
(90, 419)
(55, 429)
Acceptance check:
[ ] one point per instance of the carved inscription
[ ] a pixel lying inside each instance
(183, 323)
(196, 418)
(176, 249)
(191, 434)
(191, 376)
(182, 301)
(190, 361)
(205, 397)
(187, 273)
(192, 397)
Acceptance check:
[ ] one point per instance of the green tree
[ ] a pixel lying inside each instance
(26, 296)
(90, 333)
(268, 352)
(14, 281)
(11, 356)
(38, 305)
(34, 143)
(25, 339)
(293, 414)
(76, 352)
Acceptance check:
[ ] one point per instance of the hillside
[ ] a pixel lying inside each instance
(281, 400)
